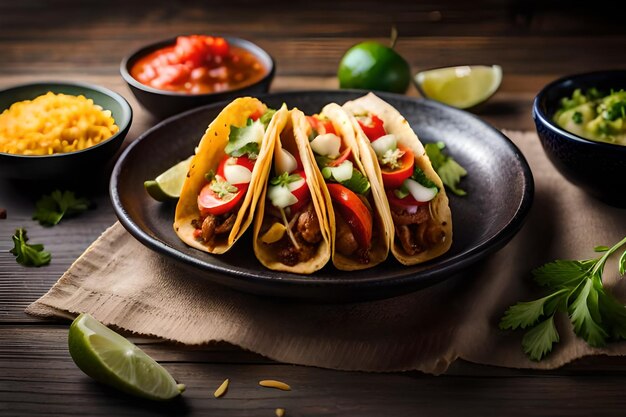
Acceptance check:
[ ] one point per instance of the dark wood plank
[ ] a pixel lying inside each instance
(39, 378)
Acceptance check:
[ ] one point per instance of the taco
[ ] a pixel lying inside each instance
(360, 233)
(418, 204)
(291, 231)
(225, 177)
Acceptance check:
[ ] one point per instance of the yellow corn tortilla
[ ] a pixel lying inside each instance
(382, 228)
(397, 125)
(208, 156)
(287, 123)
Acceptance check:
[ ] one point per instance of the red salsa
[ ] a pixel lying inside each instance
(198, 64)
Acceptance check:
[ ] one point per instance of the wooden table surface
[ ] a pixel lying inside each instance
(85, 41)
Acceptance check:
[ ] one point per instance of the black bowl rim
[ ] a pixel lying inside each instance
(241, 42)
(540, 115)
(126, 108)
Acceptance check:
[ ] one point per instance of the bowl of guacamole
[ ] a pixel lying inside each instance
(580, 120)
(594, 115)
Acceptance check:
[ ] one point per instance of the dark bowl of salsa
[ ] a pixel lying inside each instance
(188, 71)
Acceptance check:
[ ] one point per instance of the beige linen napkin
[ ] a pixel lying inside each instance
(124, 284)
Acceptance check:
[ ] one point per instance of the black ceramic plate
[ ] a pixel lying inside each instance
(499, 185)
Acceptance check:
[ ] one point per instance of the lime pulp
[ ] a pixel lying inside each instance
(462, 87)
(112, 359)
(167, 186)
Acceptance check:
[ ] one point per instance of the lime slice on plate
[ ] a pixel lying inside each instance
(167, 185)
(112, 359)
(462, 87)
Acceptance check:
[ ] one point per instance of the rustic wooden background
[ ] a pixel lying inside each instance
(533, 41)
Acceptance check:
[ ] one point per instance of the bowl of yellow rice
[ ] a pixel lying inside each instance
(60, 130)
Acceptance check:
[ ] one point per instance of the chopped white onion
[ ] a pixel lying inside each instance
(419, 192)
(384, 143)
(296, 184)
(343, 172)
(237, 174)
(327, 144)
(285, 162)
(280, 196)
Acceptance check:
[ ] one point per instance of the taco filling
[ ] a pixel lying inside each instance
(223, 191)
(348, 187)
(408, 189)
(294, 231)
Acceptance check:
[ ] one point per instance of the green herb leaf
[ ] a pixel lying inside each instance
(357, 183)
(285, 179)
(561, 273)
(576, 287)
(27, 254)
(446, 167)
(539, 341)
(223, 188)
(524, 314)
(580, 312)
(577, 117)
(50, 209)
(601, 248)
(420, 176)
(267, 117)
(245, 140)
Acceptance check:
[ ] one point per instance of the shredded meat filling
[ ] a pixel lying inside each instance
(216, 225)
(307, 234)
(414, 231)
(309, 225)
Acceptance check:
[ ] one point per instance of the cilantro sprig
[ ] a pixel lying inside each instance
(50, 209)
(575, 289)
(27, 254)
(446, 167)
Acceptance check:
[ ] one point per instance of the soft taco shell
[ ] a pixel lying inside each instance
(208, 156)
(383, 228)
(286, 126)
(396, 124)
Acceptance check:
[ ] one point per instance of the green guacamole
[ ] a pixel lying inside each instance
(594, 115)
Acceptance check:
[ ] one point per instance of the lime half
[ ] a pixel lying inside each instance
(167, 185)
(462, 87)
(111, 359)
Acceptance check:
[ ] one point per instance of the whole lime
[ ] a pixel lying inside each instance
(373, 66)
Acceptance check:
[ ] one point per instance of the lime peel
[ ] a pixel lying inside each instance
(108, 357)
(462, 86)
(168, 185)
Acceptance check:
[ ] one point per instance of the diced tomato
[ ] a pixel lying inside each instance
(407, 203)
(394, 178)
(220, 47)
(354, 212)
(303, 194)
(256, 115)
(373, 128)
(321, 126)
(244, 161)
(210, 203)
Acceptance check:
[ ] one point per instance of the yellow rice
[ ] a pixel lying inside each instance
(54, 123)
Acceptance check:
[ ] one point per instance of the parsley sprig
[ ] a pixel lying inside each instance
(27, 254)
(446, 167)
(576, 289)
(50, 209)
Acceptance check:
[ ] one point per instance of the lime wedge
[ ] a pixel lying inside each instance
(111, 359)
(462, 87)
(167, 185)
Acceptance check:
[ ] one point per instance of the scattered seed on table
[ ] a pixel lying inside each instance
(280, 412)
(270, 383)
(221, 390)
